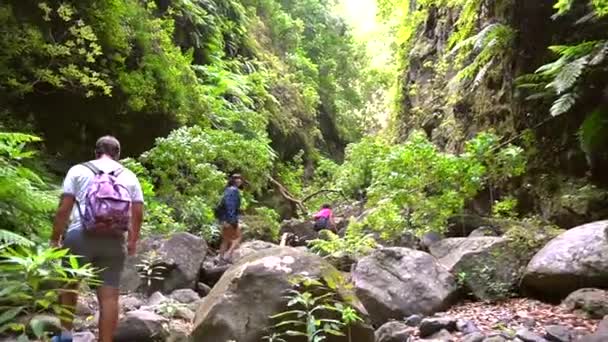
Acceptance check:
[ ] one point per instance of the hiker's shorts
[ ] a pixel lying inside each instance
(105, 254)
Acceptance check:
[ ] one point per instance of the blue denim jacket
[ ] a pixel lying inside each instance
(232, 205)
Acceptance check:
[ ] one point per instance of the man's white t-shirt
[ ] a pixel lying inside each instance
(79, 176)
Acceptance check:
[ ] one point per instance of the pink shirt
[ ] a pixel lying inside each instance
(325, 212)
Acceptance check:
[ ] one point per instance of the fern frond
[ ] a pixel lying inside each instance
(593, 132)
(562, 7)
(600, 55)
(568, 75)
(575, 51)
(9, 238)
(550, 69)
(563, 104)
(600, 7)
(482, 73)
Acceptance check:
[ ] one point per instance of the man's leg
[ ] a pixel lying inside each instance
(108, 312)
(226, 240)
(236, 240)
(68, 300)
(110, 259)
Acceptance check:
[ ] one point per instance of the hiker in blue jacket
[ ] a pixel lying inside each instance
(229, 217)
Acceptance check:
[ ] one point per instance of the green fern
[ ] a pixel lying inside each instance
(600, 7)
(562, 7)
(489, 46)
(593, 133)
(8, 238)
(26, 201)
(568, 75)
(560, 78)
(563, 104)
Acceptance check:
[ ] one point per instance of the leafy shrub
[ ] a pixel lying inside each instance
(262, 225)
(354, 244)
(416, 187)
(530, 235)
(506, 208)
(26, 201)
(30, 282)
(159, 217)
(356, 173)
(315, 311)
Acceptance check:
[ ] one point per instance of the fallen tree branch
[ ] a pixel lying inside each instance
(316, 193)
(287, 195)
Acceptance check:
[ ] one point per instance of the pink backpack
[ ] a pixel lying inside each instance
(107, 204)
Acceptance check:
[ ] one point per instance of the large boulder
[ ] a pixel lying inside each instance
(303, 230)
(600, 334)
(575, 259)
(593, 302)
(464, 224)
(393, 331)
(251, 247)
(394, 283)
(178, 259)
(240, 304)
(141, 326)
(488, 267)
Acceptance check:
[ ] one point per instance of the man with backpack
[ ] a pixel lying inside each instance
(103, 203)
(227, 212)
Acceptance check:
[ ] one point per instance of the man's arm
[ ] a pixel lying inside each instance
(62, 217)
(137, 216)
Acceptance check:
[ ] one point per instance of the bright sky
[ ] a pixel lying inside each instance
(361, 15)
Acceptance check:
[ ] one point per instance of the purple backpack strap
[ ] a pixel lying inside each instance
(92, 167)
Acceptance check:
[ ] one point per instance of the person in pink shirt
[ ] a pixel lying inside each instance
(324, 218)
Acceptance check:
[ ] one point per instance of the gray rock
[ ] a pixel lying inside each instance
(184, 296)
(251, 247)
(413, 320)
(575, 259)
(432, 325)
(211, 271)
(203, 289)
(466, 326)
(491, 269)
(558, 333)
(239, 306)
(428, 239)
(593, 302)
(130, 302)
(528, 336)
(440, 336)
(303, 231)
(141, 326)
(463, 225)
(156, 299)
(84, 307)
(178, 336)
(484, 231)
(600, 334)
(496, 338)
(474, 337)
(184, 313)
(195, 305)
(397, 282)
(392, 332)
(180, 257)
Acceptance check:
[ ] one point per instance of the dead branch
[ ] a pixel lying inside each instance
(316, 193)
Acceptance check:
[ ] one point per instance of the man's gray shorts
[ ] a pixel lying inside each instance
(105, 254)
